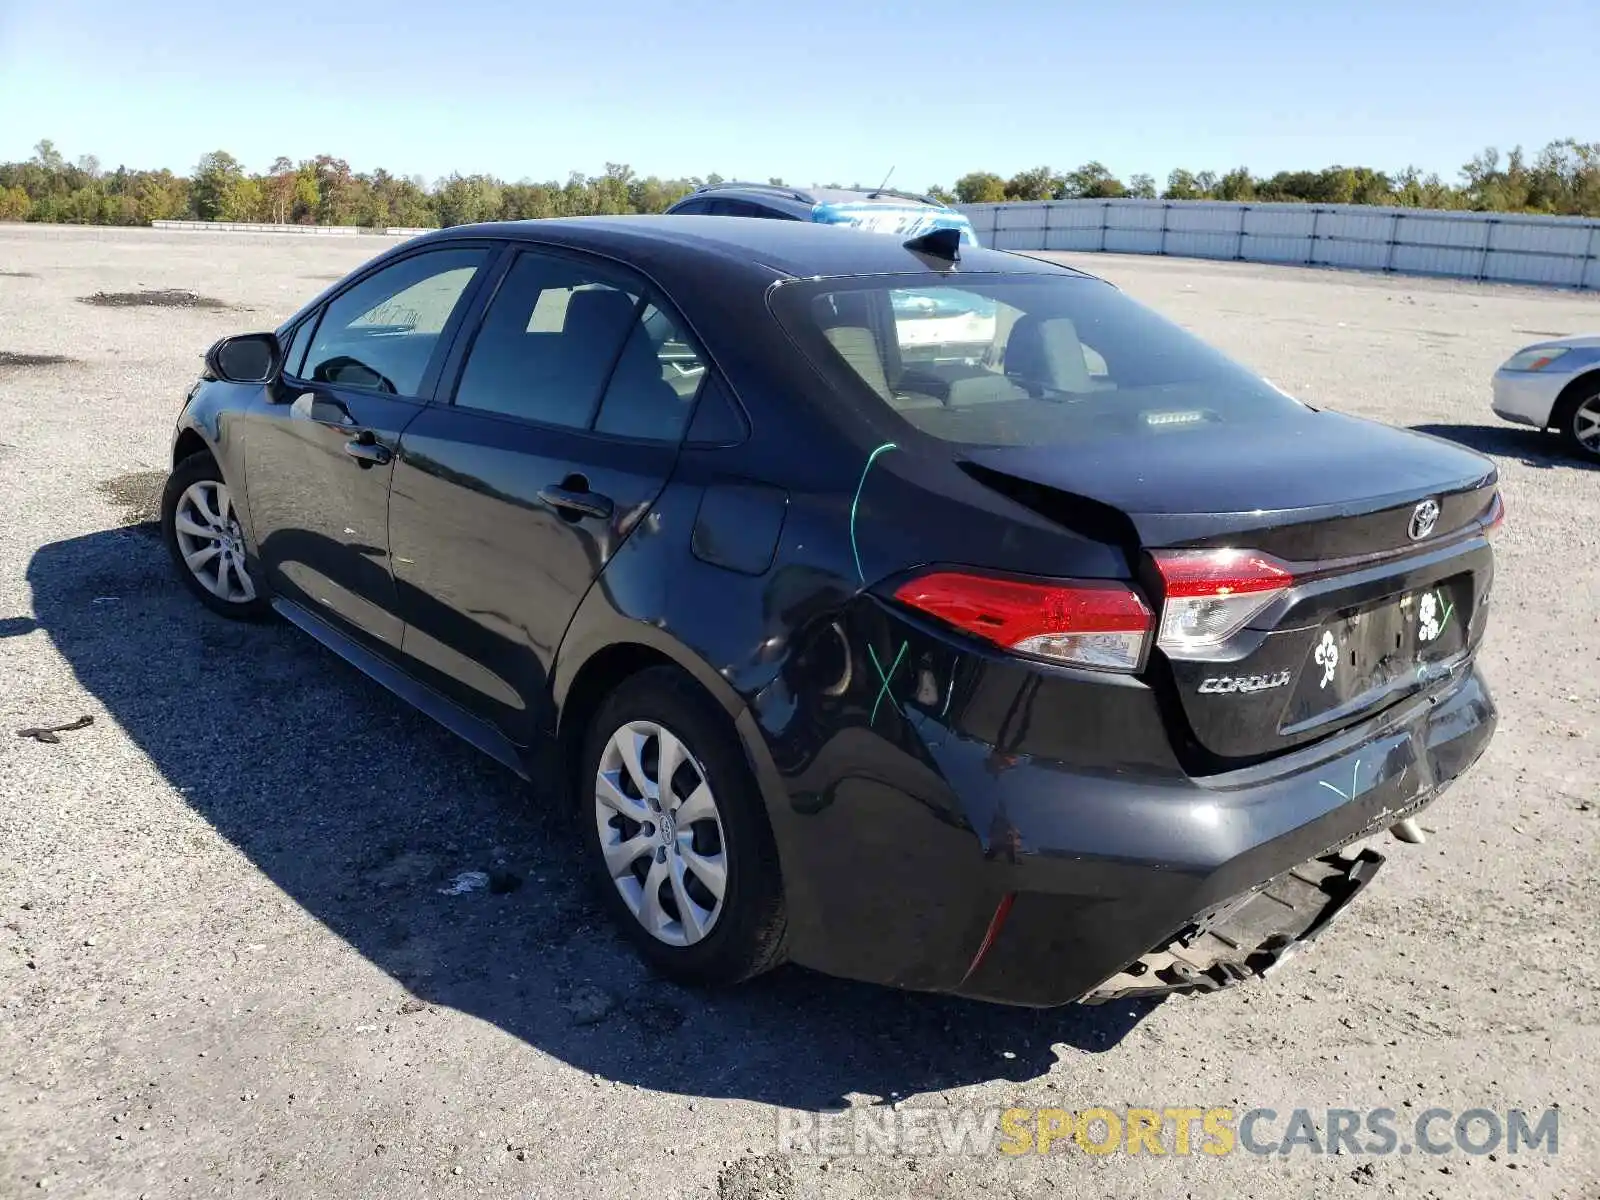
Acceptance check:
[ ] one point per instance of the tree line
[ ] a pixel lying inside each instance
(1563, 178)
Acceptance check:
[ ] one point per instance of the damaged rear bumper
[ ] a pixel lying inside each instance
(935, 862)
(1250, 936)
(1219, 880)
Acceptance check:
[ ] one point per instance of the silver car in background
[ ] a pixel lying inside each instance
(1555, 385)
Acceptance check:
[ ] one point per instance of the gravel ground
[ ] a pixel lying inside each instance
(229, 967)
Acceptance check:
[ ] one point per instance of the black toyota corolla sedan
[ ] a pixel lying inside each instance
(915, 612)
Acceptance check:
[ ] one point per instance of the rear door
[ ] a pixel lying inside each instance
(319, 454)
(565, 409)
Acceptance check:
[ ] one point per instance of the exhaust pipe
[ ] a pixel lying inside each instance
(1408, 830)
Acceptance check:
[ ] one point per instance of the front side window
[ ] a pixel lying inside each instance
(580, 345)
(1000, 359)
(296, 353)
(381, 334)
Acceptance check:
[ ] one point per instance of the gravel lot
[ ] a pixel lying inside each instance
(228, 968)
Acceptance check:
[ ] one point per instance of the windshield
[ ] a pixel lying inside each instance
(1002, 359)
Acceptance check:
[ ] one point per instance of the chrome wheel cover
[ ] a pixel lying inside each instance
(661, 833)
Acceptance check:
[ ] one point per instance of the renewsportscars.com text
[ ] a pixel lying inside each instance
(1176, 1131)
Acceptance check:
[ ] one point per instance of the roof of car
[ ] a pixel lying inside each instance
(796, 248)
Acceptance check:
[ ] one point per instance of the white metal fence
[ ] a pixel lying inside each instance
(1501, 247)
(257, 227)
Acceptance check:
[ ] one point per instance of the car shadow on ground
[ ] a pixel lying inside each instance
(1532, 447)
(365, 812)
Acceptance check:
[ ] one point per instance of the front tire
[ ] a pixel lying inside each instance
(1578, 421)
(201, 528)
(677, 833)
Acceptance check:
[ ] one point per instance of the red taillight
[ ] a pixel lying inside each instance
(1212, 594)
(1085, 623)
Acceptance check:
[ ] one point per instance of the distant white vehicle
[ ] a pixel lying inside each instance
(1555, 385)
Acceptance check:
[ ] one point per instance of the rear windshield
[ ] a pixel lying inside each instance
(1005, 359)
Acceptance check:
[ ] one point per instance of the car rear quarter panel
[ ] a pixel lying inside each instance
(836, 694)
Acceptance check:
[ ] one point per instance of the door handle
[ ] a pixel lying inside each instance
(578, 504)
(364, 448)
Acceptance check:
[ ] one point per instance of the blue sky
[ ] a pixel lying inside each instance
(815, 91)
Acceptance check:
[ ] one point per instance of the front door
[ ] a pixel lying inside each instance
(319, 453)
(568, 406)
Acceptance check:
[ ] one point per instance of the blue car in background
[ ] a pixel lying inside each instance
(880, 209)
(940, 324)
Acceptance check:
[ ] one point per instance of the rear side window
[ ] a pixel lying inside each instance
(744, 208)
(655, 383)
(999, 359)
(579, 345)
(381, 334)
(728, 207)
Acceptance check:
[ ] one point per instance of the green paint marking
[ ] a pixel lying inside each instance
(855, 505)
(1355, 776)
(885, 676)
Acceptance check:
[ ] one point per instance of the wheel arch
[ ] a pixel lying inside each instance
(188, 443)
(586, 673)
(1576, 386)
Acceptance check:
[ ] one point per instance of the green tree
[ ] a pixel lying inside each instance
(611, 190)
(466, 200)
(980, 187)
(278, 190)
(215, 178)
(1237, 184)
(48, 157)
(338, 191)
(14, 204)
(244, 201)
(1181, 185)
(161, 196)
(1092, 181)
(1039, 183)
(1562, 178)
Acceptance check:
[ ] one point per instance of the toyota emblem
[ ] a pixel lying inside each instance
(1423, 519)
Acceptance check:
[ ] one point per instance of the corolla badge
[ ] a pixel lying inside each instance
(1228, 685)
(1423, 518)
(1327, 657)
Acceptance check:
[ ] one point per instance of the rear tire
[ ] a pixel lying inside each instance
(1577, 419)
(201, 528)
(687, 865)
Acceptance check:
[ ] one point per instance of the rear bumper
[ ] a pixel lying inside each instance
(1063, 878)
(1251, 935)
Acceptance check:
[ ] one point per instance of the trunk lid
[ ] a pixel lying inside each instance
(1376, 607)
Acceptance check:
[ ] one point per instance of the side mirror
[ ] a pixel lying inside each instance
(246, 358)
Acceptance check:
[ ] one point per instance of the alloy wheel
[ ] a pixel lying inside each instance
(661, 833)
(211, 542)
(1586, 424)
